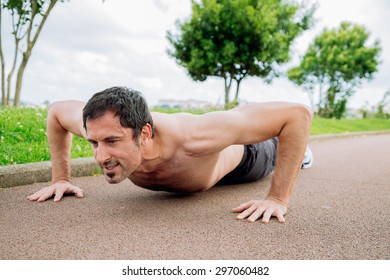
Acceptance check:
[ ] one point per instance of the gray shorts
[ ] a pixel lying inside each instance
(258, 161)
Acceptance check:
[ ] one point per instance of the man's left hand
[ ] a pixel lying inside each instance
(267, 208)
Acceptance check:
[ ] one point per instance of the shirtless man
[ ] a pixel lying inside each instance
(182, 152)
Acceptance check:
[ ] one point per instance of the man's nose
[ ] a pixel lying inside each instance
(101, 155)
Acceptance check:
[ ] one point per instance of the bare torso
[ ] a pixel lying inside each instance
(178, 168)
(187, 153)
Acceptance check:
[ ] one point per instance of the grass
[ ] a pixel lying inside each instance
(23, 134)
(23, 137)
(332, 126)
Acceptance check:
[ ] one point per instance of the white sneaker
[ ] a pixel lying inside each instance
(308, 159)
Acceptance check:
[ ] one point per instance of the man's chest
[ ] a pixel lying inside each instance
(184, 174)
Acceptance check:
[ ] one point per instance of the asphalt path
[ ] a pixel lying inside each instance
(340, 210)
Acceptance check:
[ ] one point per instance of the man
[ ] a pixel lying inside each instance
(182, 152)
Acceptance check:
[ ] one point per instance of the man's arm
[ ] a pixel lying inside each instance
(292, 143)
(255, 123)
(64, 119)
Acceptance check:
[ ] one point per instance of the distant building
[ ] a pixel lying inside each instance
(184, 104)
(28, 104)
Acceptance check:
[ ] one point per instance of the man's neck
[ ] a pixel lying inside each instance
(152, 150)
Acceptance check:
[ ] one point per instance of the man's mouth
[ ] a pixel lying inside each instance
(109, 167)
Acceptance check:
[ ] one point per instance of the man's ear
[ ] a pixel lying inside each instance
(146, 134)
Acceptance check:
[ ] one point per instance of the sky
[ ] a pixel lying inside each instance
(87, 46)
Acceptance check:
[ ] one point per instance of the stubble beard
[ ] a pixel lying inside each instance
(117, 175)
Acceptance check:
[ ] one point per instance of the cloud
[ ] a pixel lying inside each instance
(162, 6)
(88, 45)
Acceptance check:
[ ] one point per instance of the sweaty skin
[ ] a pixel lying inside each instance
(189, 153)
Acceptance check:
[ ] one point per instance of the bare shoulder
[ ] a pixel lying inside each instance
(69, 114)
(170, 132)
(173, 125)
(192, 132)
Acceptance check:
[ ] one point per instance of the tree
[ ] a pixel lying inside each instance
(335, 64)
(234, 39)
(381, 114)
(28, 18)
(3, 97)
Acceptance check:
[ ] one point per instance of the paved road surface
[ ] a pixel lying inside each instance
(339, 210)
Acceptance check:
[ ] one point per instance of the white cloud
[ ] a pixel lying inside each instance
(154, 83)
(88, 45)
(97, 63)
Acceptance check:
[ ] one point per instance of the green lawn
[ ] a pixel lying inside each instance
(23, 134)
(23, 137)
(330, 126)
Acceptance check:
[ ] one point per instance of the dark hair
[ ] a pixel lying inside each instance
(128, 104)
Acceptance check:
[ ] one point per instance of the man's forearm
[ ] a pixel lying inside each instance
(60, 142)
(292, 144)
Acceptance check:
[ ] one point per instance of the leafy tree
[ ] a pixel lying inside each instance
(234, 39)
(335, 64)
(28, 18)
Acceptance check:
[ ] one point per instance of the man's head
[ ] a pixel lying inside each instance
(118, 125)
(128, 104)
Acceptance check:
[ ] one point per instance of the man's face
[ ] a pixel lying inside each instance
(114, 148)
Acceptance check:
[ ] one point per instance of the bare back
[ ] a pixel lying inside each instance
(181, 168)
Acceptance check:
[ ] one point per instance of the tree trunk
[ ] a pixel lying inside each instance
(319, 105)
(310, 93)
(11, 73)
(237, 90)
(19, 78)
(228, 84)
(30, 46)
(3, 98)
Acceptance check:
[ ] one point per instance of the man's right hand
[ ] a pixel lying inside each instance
(58, 189)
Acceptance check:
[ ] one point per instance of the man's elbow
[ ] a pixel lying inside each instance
(55, 108)
(306, 112)
(304, 115)
(52, 112)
